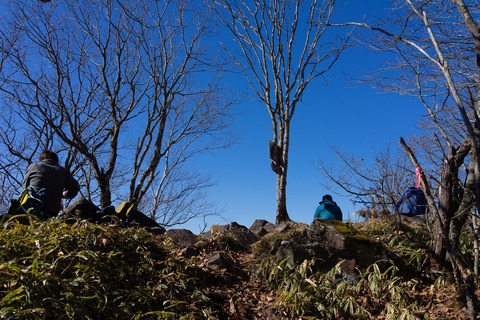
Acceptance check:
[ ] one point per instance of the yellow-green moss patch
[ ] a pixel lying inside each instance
(349, 232)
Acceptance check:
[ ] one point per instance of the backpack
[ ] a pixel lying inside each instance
(132, 217)
(86, 210)
(29, 202)
(412, 203)
(82, 209)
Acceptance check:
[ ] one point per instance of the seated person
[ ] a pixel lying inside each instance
(55, 179)
(328, 209)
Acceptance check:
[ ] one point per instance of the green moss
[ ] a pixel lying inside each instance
(349, 232)
(265, 244)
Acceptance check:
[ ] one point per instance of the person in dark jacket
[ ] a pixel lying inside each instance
(328, 209)
(55, 179)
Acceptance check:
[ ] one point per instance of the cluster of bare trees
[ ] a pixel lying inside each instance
(437, 59)
(373, 186)
(80, 76)
(125, 93)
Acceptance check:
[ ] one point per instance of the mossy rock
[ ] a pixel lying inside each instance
(350, 232)
(327, 241)
(269, 244)
(346, 242)
(232, 237)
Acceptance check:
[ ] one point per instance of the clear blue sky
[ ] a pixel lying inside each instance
(335, 112)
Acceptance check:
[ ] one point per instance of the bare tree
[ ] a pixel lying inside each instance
(438, 48)
(284, 46)
(184, 116)
(126, 88)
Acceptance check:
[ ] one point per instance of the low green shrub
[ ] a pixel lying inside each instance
(303, 294)
(54, 270)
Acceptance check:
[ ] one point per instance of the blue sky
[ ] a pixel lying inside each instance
(335, 112)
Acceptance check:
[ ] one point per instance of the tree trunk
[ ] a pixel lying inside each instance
(439, 248)
(105, 192)
(446, 202)
(475, 243)
(282, 214)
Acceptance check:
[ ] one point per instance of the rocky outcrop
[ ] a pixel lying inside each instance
(182, 237)
(328, 242)
(261, 227)
(344, 242)
(233, 236)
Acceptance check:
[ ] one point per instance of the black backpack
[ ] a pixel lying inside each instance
(29, 202)
(412, 203)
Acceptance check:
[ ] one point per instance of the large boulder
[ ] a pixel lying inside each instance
(83, 209)
(343, 241)
(182, 237)
(132, 217)
(261, 227)
(233, 236)
(328, 242)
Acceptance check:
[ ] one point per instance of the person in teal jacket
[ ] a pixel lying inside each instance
(328, 209)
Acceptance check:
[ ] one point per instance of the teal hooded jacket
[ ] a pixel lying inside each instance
(328, 210)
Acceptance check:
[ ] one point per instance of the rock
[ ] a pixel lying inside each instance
(222, 263)
(420, 219)
(156, 230)
(134, 217)
(329, 243)
(261, 227)
(189, 252)
(219, 260)
(182, 237)
(81, 208)
(283, 227)
(344, 242)
(233, 236)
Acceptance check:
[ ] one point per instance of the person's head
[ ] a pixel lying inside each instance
(48, 155)
(327, 197)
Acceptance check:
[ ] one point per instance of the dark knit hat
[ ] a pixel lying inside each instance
(327, 197)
